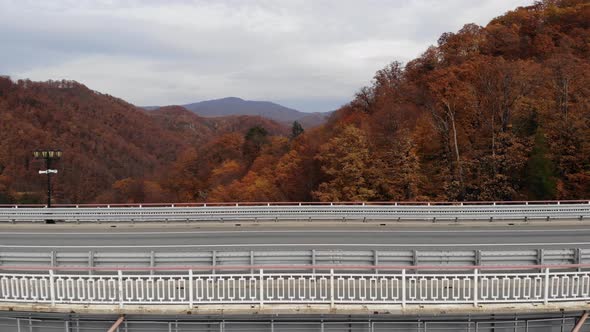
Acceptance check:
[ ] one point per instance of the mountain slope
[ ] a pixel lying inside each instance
(491, 113)
(104, 139)
(500, 112)
(196, 129)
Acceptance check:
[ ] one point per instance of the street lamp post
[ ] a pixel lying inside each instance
(48, 156)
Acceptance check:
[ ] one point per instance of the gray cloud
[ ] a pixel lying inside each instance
(311, 55)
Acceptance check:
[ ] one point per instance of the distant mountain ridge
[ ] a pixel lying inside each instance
(238, 106)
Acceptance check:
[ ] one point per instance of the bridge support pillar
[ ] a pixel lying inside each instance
(580, 322)
(116, 324)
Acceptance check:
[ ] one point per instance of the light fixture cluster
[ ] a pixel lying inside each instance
(47, 154)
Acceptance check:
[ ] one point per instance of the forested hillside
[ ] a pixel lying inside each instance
(500, 112)
(113, 151)
(494, 113)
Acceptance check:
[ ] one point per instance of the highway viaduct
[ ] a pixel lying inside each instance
(556, 292)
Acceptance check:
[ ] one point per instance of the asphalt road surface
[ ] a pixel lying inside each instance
(267, 237)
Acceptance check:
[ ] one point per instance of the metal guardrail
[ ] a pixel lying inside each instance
(340, 211)
(66, 323)
(185, 288)
(297, 259)
(213, 204)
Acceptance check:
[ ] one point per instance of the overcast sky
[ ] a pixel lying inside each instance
(311, 55)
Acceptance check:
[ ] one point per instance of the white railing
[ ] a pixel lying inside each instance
(302, 211)
(405, 287)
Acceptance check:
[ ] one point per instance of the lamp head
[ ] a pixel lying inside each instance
(48, 154)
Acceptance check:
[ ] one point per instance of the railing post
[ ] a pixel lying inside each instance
(546, 295)
(90, 261)
(332, 296)
(53, 259)
(313, 260)
(120, 285)
(152, 261)
(52, 287)
(375, 261)
(261, 291)
(475, 287)
(403, 291)
(190, 289)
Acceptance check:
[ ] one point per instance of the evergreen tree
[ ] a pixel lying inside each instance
(540, 171)
(255, 138)
(296, 129)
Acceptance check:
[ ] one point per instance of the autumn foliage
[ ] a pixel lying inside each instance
(500, 112)
(494, 113)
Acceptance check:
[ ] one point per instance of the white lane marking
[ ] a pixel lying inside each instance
(246, 245)
(303, 232)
